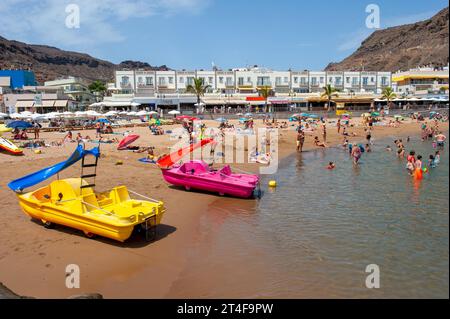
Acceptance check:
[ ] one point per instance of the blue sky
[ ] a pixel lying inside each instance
(279, 34)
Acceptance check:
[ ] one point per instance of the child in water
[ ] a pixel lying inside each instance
(388, 148)
(437, 157)
(368, 149)
(431, 162)
(419, 162)
(331, 165)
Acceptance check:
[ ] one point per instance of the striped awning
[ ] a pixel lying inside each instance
(24, 104)
(61, 103)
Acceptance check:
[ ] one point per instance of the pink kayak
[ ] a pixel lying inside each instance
(198, 175)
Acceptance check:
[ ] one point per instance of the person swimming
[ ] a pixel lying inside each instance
(388, 148)
(368, 148)
(331, 165)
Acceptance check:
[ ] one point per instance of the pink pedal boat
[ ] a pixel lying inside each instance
(198, 175)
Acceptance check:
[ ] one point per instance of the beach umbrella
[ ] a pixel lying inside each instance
(135, 104)
(142, 113)
(37, 116)
(16, 116)
(240, 114)
(221, 119)
(80, 114)
(132, 113)
(111, 113)
(174, 112)
(375, 114)
(103, 121)
(248, 114)
(313, 116)
(199, 104)
(3, 114)
(152, 113)
(26, 113)
(19, 124)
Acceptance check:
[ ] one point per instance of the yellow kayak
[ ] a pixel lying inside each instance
(112, 214)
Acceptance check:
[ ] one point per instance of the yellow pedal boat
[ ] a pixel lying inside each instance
(71, 202)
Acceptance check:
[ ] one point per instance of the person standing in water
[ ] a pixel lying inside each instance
(300, 140)
(324, 133)
(339, 126)
(356, 154)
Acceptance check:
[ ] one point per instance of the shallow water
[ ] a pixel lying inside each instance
(314, 235)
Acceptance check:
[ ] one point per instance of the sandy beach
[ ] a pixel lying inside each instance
(33, 259)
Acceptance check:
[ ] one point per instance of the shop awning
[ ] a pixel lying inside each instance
(24, 104)
(61, 103)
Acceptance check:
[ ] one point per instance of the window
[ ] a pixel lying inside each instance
(313, 81)
(295, 80)
(221, 80)
(347, 80)
(322, 79)
(372, 79)
(149, 80)
(210, 80)
(170, 80)
(263, 81)
(125, 80)
(229, 81)
(384, 81)
(355, 81)
(330, 80)
(365, 80)
(338, 81)
(181, 79)
(249, 80)
(303, 81)
(140, 80)
(190, 80)
(162, 81)
(277, 80)
(240, 81)
(286, 79)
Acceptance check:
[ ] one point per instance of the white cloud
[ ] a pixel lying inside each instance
(43, 21)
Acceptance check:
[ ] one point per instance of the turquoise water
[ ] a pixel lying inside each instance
(314, 235)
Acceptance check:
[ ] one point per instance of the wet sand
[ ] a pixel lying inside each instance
(33, 259)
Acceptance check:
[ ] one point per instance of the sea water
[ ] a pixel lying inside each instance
(316, 233)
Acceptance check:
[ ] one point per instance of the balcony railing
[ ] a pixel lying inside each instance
(145, 85)
(125, 85)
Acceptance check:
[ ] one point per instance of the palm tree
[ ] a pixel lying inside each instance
(98, 88)
(199, 89)
(329, 91)
(388, 94)
(265, 92)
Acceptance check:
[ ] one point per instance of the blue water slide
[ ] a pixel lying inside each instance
(20, 184)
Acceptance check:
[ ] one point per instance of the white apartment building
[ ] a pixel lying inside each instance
(248, 81)
(421, 81)
(75, 88)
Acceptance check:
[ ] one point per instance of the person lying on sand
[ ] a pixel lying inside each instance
(319, 143)
(108, 140)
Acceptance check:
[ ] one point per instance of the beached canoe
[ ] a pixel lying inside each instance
(112, 214)
(9, 147)
(198, 175)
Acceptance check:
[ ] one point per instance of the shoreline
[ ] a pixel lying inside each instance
(134, 269)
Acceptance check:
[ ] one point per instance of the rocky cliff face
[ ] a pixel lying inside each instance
(402, 47)
(49, 63)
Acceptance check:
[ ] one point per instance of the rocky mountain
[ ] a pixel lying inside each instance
(49, 63)
(402, 47)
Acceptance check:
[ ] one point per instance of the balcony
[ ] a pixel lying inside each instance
(145, 86)
(282, 84)
(125, 85)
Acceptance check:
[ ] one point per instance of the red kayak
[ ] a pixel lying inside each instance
(127, 141)
(169, 160)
